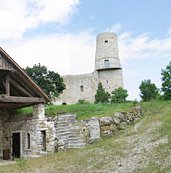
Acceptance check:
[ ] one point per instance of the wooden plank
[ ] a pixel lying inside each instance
(15, 99)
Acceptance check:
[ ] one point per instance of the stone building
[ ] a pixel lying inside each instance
(108, 71)
(21, 135)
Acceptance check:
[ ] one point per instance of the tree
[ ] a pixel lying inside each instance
(101, 95)
(148, 90)
(166, 78)
(49, 81)
(119, 95)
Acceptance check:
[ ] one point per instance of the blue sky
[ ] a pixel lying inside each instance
(61, 35)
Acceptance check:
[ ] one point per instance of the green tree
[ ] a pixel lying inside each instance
(166, 81)
(49, 81)
(148, 90)
(119, 95)
(101, 95)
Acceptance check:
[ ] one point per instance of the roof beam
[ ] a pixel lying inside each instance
(20, 88)
(14, 99)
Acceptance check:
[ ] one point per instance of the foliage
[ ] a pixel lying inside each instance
(166, 78)
(119, 95)
(49, 81)
(101, 95)
(148, 90)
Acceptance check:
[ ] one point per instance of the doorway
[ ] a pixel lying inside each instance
(16, 145)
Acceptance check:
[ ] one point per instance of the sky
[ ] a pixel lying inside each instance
(61, 34)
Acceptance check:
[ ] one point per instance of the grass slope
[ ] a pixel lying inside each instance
(84, 111)
(142, 147)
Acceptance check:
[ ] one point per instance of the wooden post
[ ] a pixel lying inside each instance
(7, 85)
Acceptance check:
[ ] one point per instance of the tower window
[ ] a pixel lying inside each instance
(82, 88)
(106, 63)
(106, 41)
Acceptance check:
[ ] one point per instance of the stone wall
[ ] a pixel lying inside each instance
(78, 87)
(94, 128)
(1, 134)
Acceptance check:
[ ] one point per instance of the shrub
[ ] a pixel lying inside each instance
(101, 95)
(119, 95)
(148, 90)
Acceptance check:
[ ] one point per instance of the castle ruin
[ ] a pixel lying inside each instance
(108, 71)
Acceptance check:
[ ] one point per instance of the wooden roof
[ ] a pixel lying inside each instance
(17, 89)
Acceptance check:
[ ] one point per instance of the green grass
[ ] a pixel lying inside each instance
(84, 111)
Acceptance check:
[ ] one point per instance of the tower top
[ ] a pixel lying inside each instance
(107, 52)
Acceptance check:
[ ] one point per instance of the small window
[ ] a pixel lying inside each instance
(28, 140)
(43, 133)
(64, 103)
(82, 88)
(106, 63)
(106, 41)
(107, 81)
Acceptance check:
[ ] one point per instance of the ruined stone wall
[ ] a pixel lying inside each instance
(78, 87)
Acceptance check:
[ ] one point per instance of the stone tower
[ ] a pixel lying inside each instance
(108, 71)
(107, 63)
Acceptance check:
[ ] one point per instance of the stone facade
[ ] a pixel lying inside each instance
(29, 127)
(108, 71)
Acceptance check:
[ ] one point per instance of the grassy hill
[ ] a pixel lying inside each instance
(144, 146)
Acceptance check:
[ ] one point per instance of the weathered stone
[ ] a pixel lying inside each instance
(113, 127)
(116, 120)
(122, 126)
(104, 121)
(106, 133)
(104, 128)
(121, 116)
(94, 128)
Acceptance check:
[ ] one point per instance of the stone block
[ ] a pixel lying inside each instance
(116, 120)
(104, 121)
(113, 127)
(94, 128)
(122, 126)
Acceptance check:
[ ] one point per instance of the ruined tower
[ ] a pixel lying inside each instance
(108, 71)
(107, 63)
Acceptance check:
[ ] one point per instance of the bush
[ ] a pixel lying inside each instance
(119, 95)
(148, 90)
(101, 95)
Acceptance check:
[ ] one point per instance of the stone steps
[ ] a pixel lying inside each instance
(66, 131)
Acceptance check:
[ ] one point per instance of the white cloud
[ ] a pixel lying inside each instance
(142, 46)
(21, 15)
(66, 54)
